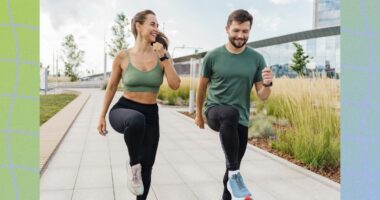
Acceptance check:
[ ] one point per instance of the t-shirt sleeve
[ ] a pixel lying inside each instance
(261, 65)
(206, 66)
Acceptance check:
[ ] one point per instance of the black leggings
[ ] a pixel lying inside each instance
(233, 136)
(140, 125)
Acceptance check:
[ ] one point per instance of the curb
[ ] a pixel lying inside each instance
(278, 159)
(54, 130)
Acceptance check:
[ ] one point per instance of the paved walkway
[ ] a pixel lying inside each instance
(189, 165)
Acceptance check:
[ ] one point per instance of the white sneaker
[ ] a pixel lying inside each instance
(134, 179)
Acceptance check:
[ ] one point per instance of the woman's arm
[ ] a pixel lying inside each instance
(112, 83)
(168, 67)
(171, 75)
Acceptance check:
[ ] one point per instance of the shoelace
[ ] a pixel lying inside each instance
(134, 178)
(239, 181)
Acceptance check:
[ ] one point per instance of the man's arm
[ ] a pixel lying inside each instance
(201, 92)
(262, 91)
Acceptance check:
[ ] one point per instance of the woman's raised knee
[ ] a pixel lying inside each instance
(136, 120)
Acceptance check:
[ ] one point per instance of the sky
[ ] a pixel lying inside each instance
(193, 24)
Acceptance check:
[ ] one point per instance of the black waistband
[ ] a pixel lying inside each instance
(128, 103)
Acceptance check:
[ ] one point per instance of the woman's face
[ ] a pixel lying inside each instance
(149, 29)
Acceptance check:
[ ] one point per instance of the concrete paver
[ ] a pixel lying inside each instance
(189, 165)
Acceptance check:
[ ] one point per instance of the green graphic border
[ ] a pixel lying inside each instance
(19, 99)
(360, 97)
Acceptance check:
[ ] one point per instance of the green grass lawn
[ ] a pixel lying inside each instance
(51, 104)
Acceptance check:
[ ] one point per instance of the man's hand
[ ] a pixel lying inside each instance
(267, 76)
(201, 91)
(200, 122)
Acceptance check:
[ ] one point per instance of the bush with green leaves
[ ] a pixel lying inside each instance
(261, 127)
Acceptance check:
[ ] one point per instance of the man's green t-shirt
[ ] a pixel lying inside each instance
(231, 78)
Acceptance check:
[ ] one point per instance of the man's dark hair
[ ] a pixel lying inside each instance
(240, 16)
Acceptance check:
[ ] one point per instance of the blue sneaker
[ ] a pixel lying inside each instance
(237, 188)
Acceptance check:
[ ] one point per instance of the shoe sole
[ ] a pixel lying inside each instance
(133, 190)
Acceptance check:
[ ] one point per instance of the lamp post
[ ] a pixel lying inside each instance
(105, 60)
(58, 56)
(311, 67)
(178, 47)
(56, 75)
(193, 63)
(196, 49)
(192, 90)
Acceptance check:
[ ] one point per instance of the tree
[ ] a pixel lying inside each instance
(118, 42)
(300, 59)
(72, 58)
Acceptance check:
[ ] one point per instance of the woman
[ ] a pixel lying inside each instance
(135, 115)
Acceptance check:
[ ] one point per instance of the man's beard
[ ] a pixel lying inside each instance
(232, 40)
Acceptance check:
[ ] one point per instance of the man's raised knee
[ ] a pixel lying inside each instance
(231, 114)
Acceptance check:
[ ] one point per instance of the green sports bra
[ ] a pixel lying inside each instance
(135, 80)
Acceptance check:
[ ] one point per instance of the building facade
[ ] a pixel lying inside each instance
(322, 45)
(326, 13)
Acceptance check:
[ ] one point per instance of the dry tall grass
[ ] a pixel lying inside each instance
(312, 108)
(310, 105)
(179, 96)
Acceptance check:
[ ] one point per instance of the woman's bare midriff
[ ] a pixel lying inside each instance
(141, 97)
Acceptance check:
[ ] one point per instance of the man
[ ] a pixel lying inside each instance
(229, 72)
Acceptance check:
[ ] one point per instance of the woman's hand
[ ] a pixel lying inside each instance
(159, 49)
(102, 126)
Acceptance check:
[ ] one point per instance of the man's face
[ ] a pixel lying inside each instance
(238, 33)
